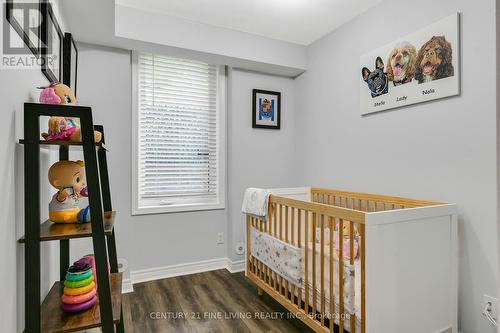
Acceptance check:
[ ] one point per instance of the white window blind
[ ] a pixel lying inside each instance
(178, 141)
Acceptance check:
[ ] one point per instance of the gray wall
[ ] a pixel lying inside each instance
(18, 87)
(256, 157)
(443, 150)
(153, 241)
(147, 241)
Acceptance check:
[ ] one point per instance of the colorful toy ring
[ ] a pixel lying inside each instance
(79, 284)
(78, 299)
(79, 291)
(79, 307)
(78, 276)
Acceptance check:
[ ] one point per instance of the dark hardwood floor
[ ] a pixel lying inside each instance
(205, 302)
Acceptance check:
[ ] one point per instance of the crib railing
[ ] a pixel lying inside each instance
(364, 201)
(296, 222)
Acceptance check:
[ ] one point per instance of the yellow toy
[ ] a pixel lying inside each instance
(68, 178)
(62, 128)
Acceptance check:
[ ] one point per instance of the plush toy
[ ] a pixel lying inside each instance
(62, 128)
(346, 233)
(68, 178)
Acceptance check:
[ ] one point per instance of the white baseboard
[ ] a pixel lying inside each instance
(164, 272)
(235, 266)
(127, 286)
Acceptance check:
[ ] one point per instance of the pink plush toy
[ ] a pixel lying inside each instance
(48, 96)
(62, 128)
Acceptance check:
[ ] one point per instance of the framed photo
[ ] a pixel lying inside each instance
(25, 18)
(70, 62)
(415, 68)
(52, 43)
(266, 109)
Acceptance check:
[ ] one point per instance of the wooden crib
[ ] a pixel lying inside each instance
(405, 266)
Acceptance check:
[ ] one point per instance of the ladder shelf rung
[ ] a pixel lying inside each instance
(50, 231)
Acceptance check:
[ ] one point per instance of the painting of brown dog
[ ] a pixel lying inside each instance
(434, 60)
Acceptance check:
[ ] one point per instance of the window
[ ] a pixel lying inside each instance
(179, 135)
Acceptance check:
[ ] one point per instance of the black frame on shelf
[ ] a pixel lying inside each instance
(49, 20)
(254, 108)
(97, 179)
(21, 31)
(68, 46)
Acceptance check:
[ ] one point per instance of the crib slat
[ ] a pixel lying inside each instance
(306, 247)
(292, 226)
(262, 268)
(299, 245)
(363, 287)
(268, 230)
(248, 241)
(286, 240)
(275, 220)
(341, 275)
(314, 217)
(332, 299)
(281, 222)
(281, 238)
(352, 317)
(322, 289)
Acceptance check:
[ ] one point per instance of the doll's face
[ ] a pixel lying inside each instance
(65, 174)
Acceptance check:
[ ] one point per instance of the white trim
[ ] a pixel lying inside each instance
(235, 266)
(164, 272)
(177, 208)
(135, 135)
(445, 330)
(127, 286)
(409, 214)
(291, 191)
(220, 203)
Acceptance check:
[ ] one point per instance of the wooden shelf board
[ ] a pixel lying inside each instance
(50, 231)
(55, 143)
(54, 320)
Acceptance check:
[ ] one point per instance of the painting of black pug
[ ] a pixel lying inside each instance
(377, 80)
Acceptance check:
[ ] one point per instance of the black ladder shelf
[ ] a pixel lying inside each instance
(48, 317)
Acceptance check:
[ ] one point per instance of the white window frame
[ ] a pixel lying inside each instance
(181, 205)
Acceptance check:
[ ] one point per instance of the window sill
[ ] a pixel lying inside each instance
(177, 208)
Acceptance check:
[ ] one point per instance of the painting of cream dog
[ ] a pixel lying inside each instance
(401, 63)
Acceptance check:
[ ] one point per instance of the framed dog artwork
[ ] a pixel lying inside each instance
(266, 109)
(416, 68)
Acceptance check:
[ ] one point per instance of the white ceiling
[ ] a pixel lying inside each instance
(295, 21)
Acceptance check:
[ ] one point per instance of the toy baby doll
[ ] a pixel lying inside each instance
(68, 178)
(62, 128)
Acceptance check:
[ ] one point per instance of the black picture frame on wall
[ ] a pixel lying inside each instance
(266, 109)
(52, 44)
(26, 30)
(70, 62)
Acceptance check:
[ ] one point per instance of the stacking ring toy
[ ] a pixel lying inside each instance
(78, 276)
(79, 307)
(79, 291)
(78, 299)
(78, 284)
